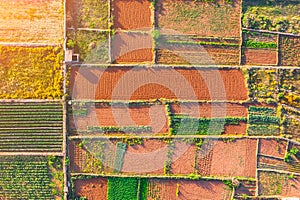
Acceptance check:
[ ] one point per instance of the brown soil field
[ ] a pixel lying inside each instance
(246, 188)
(132, 48)
(272, 147)
(153, 115)
(31, 21)
(155, 83)
(132, 14)
(240, 129)
(198, 54)
(209, 110)
(183, 158)
(92, 189)
(203, 19)
(147, 158)
(237, 158)
(188, 190)
(259, 56)
(291, 188)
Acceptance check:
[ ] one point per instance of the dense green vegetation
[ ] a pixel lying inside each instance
(122, 188)
(264, 45)
(31, 72)
(34, 126)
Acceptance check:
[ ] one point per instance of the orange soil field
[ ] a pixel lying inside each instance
(77, 156)
(260, 57)
(132, 48)
(188, 190)
(183, 158)
(237, 158)
(31, 21)
(92, 189)
(198, 54)
(155, 83)
(241, 128)
(272, 147)
(132, 14)
(147, 158)
(153, 115)
(217, 20)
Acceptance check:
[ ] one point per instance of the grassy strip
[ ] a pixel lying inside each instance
(125, 129)
(263, 130)
(263, 45)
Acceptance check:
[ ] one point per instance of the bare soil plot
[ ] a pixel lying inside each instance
(237, 158)
(87, 14)
(147, 158)
(132, 14)
(183, 158)
(145, 84)
(272, 183)
(31, 21)
(132, 48)
(204, 19)
(187, 190)
(272, 147)
(260, 56)
(148, 115)
(238, 129)
(91, 189)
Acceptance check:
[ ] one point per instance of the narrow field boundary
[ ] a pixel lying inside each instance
(278, 171)
(273, 32)
(31, 154)
(18, 44)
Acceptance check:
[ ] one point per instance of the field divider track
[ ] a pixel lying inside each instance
(151, 65)
(161, 176)
(31, 154)
(256, 171)
(272, 32)
(278, 171)
(28, 44)
(269, 156)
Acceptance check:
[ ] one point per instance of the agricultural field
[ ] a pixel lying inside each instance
(289, 51)
(25, 177)
(28, 21)
(31, 127)
(22, 65)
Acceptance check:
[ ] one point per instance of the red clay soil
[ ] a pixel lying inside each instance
(237, 158)
(77, 156)
(219, 20)
(92, 189)
(260, 57)
(208, 110)
(272, 147)
(132, 14)
(153, 116)
(147, 158)
(188, 190)
(132, 48)
(183, 158)
(138, 84)
(240, 129)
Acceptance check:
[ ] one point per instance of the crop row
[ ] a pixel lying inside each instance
(262, 110)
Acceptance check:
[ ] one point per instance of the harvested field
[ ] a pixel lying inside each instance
(132, 48)
(187, 190)
(204, 156)
(87, 14)
(272, 147)
(183, 158)
(147, 115)
(147, 158)
(91, 189)
(31, 21)
(260, 56)
(132, 14)
(208, 110)
(155, 83)
(289, 52)
(237, 158)
(204, 19)
(246, 188)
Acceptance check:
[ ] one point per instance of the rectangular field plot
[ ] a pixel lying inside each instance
(146, 84)
(132, 14)
(203, 19)
(29, 177)
(91, 188)
(92, 46)
(132, 48)
(88, 14)
(31, 21)
(272, 147)
(108, 118)
(289, 52)
(31, 127)
(31, 72)
(186, 189)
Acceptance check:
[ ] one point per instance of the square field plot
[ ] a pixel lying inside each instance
(196, 17)
(132, 14)
(132, 48)
(88, 14)
(31, 21)
(92, 46)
